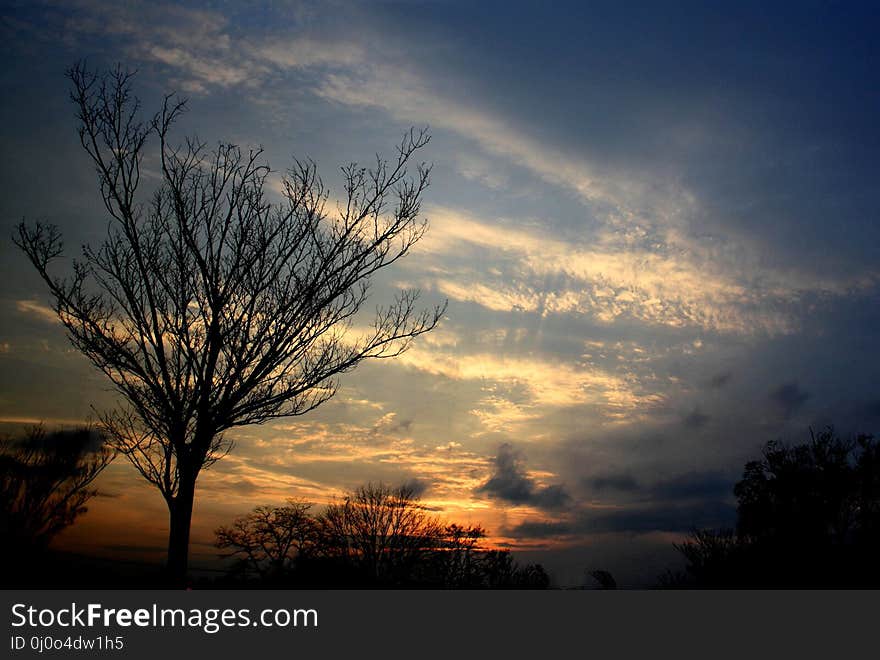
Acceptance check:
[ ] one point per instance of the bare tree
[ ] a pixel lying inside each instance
(383, 530)
(375, 536)
(461, 553)
(207, 306)
(269, 538)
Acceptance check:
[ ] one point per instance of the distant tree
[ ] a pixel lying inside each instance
(384, 531)
(713, 559)
(531, 576)
(209, 307)
(604, 579)
(269, 539)
(501, 571)
(375, 536)
(46, 479)
(808, 515)
(866, 475)
(459, 556)
(801, 494)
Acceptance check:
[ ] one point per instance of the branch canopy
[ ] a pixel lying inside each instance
(207, 305)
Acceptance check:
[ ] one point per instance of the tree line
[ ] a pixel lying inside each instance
(376, 536)
(808, 515)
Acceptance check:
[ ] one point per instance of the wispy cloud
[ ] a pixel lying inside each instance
(607, 278)
(37, 310)
(530, 386)
(638, 254)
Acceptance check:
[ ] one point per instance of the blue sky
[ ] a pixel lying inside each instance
(656, 228)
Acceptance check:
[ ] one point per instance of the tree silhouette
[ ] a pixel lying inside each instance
(384, 531)
(460, 564)
(500, 571)
(375, 536)
(604, 579)
(207, 306)
(269, 539)
(714, 559)
(807, 515)
(802, 494)
(45, 481)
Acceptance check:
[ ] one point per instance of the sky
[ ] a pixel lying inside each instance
(655, 226)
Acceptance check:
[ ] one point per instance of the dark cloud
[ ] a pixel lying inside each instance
(672, 518)
(418, 486)
(686, 486)
(551, 497)
(720, 380)
(677, 504)
(695, 419)
(540, 529)
(693, 485)
(789, 397)
(510, 483)
(624, 482)
(636, 519)
(870, 409)
(402, 426)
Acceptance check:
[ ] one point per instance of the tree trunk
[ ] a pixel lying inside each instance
(180, 510)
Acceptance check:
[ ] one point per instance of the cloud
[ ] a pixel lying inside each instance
(408, 96)
(417, 486)
(693, 485)
(695, 419)
(653, 258)
(541, 529)
(623, 481)
(789, 398)
(481, 170)
(641, 257)
(633, 520)
(197, 45)
(47, 421)
(318, 459)
(511, 483)
(305, 52)
(506, 266)
(204, 49)
(720, 380)
(678, 504)
(870, 409)
(521, 389)
(682, 487)
(37, 310)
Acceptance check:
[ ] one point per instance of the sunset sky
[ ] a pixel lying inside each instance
(656, 229)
